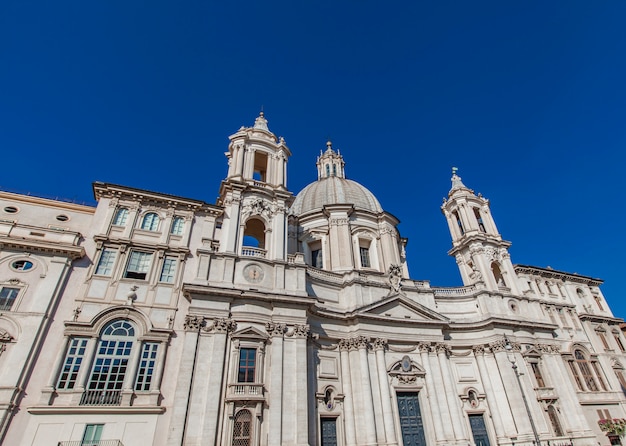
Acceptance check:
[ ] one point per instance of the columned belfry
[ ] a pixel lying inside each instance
(254, 194)
(477, 246)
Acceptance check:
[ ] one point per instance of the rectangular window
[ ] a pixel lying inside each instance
(596, 368)
(538, 375)
(619, 341)
(7, 297)
(329, 431)
(92, 434)
(603, 339)
(168, 272)
(247, 365)
(73, 360)
(106, 262)
(138, 265)
(365, 257)
(479, 430)
(146, 365)
(317, 259)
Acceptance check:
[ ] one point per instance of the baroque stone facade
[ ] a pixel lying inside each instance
(274, 319)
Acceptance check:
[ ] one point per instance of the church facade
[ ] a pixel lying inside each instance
(270, 318)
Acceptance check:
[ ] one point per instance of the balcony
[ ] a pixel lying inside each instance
(245, 392)
(101, 398)
(91, 443)
(250, 251)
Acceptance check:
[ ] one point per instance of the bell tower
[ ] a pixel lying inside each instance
(254, 194)
(477, 246)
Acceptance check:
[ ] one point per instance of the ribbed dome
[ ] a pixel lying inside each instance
(334, 190)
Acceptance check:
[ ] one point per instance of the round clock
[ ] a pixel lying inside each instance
(253, 273)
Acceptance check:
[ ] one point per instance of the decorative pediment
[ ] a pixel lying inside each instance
(5, 336)
(250, 333)
(532, 352)
(406, 371)
(399, 307)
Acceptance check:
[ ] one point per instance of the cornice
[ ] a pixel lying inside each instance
(56, 248)
(555, 274)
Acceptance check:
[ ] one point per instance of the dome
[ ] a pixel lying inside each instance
(334, 190)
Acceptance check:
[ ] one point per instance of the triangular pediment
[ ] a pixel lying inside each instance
(250, 333)
(532, 352)
(399, 307)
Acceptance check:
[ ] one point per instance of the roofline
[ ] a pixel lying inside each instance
(33, 199)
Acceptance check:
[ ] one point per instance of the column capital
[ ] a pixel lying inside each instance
(275, 330)
(300, 331)
(193, 322)
(380, 344)
(222, 325)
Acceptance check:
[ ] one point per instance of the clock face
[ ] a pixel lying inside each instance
(253, 273)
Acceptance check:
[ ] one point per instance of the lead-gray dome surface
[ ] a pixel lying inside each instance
(334, 190)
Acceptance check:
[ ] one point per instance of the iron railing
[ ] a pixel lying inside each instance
(101, 398)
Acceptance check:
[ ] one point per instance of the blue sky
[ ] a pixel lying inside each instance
(528, 99)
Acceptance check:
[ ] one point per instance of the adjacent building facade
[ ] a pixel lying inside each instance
(274, 319)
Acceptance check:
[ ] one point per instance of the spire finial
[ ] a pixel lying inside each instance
(261, 122)
(456, 180)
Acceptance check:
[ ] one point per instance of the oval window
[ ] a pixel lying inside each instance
(10, 209)
(62, 217)
(22, 265)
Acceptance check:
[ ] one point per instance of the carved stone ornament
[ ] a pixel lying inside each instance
(380, 343)
(479, 349)
(344, 344)
(476, 275)
(395, 277)
(275, 329)
(193, 322)
(406, 371)
(301, 331)
(257, 207)
(223, 325)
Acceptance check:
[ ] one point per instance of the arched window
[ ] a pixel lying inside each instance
(458, 222)
(150, 222)
(327, 170)
(587, 369)
(334, 170)
(580, 293)
(110, 364)
(242, 428)
(260, 166)
(121, 217)
(479, 220)
(177, 226)
(554, 421)
(254, 238)
(497, 274)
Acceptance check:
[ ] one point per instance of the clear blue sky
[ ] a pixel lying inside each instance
(528, 99)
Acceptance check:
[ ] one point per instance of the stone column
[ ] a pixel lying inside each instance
(131, 374)
(301, 333)
(442, 429)
(451, 394)
(192, 326)
(513, 393)
(217, 357)
(348, 409)
(275, 384)
(492, 399)
(385, 396)
(366, 390)
(436, 389)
